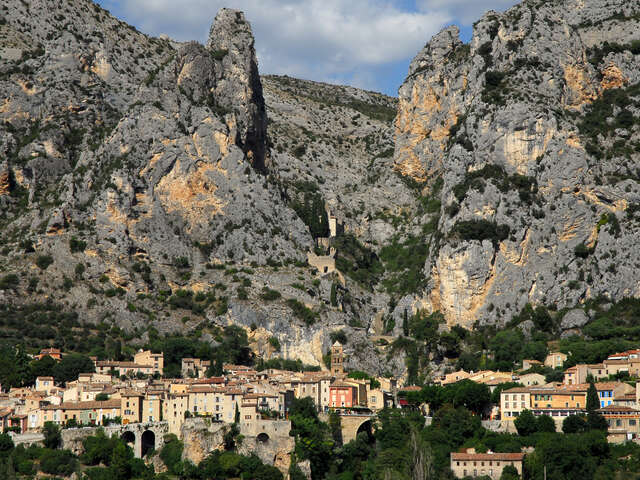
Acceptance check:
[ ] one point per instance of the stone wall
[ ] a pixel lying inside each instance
(267, 439)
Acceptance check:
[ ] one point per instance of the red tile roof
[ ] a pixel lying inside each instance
(488, 456)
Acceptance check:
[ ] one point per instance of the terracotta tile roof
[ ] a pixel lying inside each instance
(518, 390)
(618, 409)
(84, 405)
(208, 381)
(488, 456)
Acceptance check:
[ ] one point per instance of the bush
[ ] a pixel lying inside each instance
(44, 261)
(301, 311)
(480, 230)
(582, 251)
(76, 245)
(9, 282)
(52, 437)
(338, 336)
(358, 261)
(58, 462)
(275, 343)
(269, 295)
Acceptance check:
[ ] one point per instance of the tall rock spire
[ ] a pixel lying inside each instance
(238, 87)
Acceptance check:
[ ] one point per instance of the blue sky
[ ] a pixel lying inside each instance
(364, 43)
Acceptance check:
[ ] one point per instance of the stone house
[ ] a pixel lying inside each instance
(624, 423)
(85, 413)
(146, 357)
(555, 360)
(471, 464)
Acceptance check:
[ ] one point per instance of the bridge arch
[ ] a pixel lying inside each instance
(366, 427)
(129, 438)
(148, 442)
(262, 438)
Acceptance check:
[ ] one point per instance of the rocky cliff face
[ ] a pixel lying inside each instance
(152, 187)
(532, 129)
(136, 172)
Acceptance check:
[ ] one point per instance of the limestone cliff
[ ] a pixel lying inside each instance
(139, 189)
(532, 129)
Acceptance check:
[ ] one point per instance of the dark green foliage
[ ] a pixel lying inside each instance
(58, 462)
(465, 393)
(221, 465)
(334, 295)
(593, 403)
(480, 230)
(313, 439)
(269, 295)
(76, 245)
(285, 364)
(526, 423)
(596, 124)
(275, 343)
(573, 457)
(582, 250)
(219, 54)
(301, 311)
(509, 473)
(575, 424)
(52, 437)
(526, 187)
(171, 454)
(9, 282)
(44, 261)
(312, 212)
(406, 260)
(494, 88)
(71, 366)
(597, 53)
(338, 336)
(546, 424)
(181, 262)
(357, 261)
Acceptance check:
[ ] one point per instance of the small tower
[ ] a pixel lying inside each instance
(337, 360)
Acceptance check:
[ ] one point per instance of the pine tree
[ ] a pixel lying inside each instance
(593, 403)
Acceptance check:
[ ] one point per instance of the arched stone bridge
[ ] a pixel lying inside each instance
(353, 423)
(142, 437)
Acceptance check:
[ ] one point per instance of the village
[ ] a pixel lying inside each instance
(126, 393)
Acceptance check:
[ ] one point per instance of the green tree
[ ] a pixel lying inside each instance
(71, 366)
(52, 436)
(58, 462)
(595, 421)
(335, 425)
(14, 365)
(171, 454)
(6, 444)
(507, 348)
(526, 423)
(457, 424)
(593, 402)
(509, 473)
(312, 436)
(546, 424)
(42, 368)
(121, 460)
(574, 424)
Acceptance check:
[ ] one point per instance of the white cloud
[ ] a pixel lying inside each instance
(466, 11)
(325, 40)
(346, 41)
